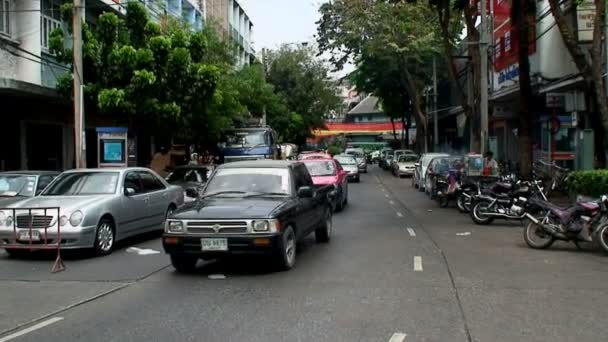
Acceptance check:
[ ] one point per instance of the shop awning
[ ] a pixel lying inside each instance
(367, 128)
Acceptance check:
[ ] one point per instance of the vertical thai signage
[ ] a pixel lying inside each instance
(505, 36)
(585, 16)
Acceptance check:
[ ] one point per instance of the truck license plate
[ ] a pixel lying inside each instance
(214, 244)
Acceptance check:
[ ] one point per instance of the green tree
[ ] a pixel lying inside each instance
(157, 77)
(363, 30)
(305, 90)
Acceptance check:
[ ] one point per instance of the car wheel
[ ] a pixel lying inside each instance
(323, 232)
(104, 237)
(287, 254)
(184, 263)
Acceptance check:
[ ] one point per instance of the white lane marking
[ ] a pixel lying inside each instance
(397, 337)
(412, 232)
(399, 214)
(387, 196)
(217, 276)
(32, 328)
(142, 251)
(418, 263)
(391, 202)
(464, 234)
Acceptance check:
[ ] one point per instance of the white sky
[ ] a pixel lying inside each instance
(277, 22)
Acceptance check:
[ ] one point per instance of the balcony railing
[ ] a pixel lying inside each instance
(47, 25)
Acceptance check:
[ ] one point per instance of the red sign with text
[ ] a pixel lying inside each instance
(505, 36)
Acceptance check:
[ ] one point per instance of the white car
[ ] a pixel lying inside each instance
(423, 164)
(405, 165)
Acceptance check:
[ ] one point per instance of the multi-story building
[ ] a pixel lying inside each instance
(37, 122)
(235, 25)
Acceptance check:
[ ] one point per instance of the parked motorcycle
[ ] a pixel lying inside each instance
(506, 201)
(469, 189)
(581, 222)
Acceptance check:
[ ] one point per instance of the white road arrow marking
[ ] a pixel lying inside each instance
(140, 251)
(397, 337)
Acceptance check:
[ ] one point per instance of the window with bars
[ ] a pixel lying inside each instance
(50, 19)
(5, 17)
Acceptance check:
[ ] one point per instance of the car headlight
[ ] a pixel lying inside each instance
(76, 218)
(261, 226)
(175, 226)
(63, 220)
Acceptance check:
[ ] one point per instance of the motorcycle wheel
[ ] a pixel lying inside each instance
(461, 204)
(602, 237)
(477, 214)
(536, 237)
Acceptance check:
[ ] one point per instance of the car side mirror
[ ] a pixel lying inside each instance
(192, 192)
(129, 191)
(305, 192)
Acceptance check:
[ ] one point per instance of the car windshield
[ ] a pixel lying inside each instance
(249, 180)
(408, 159)
(245, 138)
(188, 175)
(426, 159)
(346, 160)
(17, 185)
(83, 183)
(321, 168)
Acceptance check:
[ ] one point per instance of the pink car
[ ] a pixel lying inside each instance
(327, 171)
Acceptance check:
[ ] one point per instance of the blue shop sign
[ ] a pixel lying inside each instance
(508, 74)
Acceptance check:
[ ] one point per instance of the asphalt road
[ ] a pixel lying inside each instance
(397, 265)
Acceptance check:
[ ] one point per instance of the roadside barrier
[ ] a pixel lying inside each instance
(32, 229)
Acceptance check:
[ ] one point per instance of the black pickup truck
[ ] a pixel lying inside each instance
(249, 207)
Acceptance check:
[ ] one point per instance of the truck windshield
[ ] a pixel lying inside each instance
(246, 138)
(249, 180)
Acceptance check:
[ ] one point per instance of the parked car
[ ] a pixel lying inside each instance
(405, 165)
(252, 207)
(329, 172)
(16, 186)
(398, 153)
(420, 170)
(437, 169)
(191, 178)
(97, 207)
(350, 165)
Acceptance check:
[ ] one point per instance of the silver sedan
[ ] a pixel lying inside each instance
(94, 208)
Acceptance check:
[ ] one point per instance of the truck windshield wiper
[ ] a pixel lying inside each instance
(254, 146)
(223, 193)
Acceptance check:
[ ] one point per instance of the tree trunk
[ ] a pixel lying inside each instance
(403, 130)
(596, 62)
(591, 71)
(520, 9)
(394, 130)
(470, 18)
(443, 12)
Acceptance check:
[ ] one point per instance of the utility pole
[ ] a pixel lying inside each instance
(78, 80)
(606, 45)
(483, 51)
(435, 114)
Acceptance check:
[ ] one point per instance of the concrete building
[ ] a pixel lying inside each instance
(235, 25)
(37, 122)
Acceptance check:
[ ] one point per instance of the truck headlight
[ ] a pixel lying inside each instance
(175, 226)
(76, 218)
(261, 226)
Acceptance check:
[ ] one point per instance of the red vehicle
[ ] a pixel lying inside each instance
(327, 171)
(314, 155)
